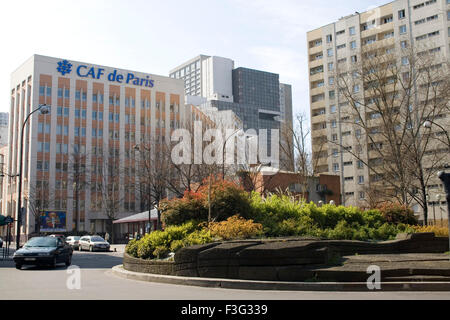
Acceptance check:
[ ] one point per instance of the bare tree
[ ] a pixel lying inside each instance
(78, 175)
(38, 200)
(154, 173)
(401, 92)
(296, 151)
(112, 196)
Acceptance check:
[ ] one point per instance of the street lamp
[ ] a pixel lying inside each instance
(43, 109)
(223, 150)
(445, 178)
(438, 198)
(138, 149)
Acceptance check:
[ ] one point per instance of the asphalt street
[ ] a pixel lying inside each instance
(97, 282)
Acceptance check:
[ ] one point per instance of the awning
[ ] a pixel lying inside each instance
(140, 217)
(5, 220)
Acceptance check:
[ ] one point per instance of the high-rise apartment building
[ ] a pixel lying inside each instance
(387, 30)
(4, 121)
(98, 117)
(207, 77)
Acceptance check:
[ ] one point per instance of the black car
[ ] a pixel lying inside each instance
(43, 251)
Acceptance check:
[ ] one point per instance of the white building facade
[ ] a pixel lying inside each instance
(98, 112)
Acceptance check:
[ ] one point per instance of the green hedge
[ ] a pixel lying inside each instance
(159, 243)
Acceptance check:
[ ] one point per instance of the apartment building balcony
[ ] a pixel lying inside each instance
(316, 77)
(315, 50)
(319, 118)
(379, 29)
(316, 133)
(315, 63)
(318, 104)
(379, 44)
(317, 90)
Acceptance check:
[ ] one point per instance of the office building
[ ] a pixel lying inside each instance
(253, 95)
(98, 116)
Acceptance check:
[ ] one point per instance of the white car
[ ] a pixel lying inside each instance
(73, 241)
(93, 243)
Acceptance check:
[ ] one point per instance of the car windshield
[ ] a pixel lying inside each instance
(75, 238)
(41, 242)
(97, 239)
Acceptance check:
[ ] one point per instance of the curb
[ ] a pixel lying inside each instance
(278, 286)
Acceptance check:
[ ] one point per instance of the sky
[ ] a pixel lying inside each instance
(155, 36)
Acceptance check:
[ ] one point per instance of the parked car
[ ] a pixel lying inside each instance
(73, 241)
(93, 243)
(43, 251)
(61, 236)
(1, 242)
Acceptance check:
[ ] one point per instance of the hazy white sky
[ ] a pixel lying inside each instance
(155, 36)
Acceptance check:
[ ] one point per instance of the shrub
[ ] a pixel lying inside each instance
(152, 245)
(160, 252)
(227, 199)
(159, 243)
(176, 245)
(395, 213)
(178, 211)
(235, 227)
(438, 231)
(132, 248)
(198, 237)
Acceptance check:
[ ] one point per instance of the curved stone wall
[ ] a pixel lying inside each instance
(276, 260)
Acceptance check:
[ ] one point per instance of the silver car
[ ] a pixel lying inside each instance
(73, 241)
(93, 243)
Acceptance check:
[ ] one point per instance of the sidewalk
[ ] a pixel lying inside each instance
(11, 252)
(120, 248)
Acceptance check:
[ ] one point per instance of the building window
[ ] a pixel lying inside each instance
(333, 109)
(360, 179)
(405, 61)
(336, 167)
(329, 38)
(352, 31)
(362, 195)
(401, 14)
(330, 52)
(335, 153)
(402, 29)
(353, 45)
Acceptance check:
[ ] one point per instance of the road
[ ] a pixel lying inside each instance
(97, 282)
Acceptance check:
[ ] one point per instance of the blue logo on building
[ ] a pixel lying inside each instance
(64, 67)
(84, 71)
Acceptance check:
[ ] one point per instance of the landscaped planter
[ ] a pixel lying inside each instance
(276, 260)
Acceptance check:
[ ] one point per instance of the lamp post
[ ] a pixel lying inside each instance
(438, 198)
(44, 109)
(445, 178)
(223, 150)
(138, 148)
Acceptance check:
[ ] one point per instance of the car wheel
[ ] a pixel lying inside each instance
(69, 260)
(18, 266)
(91, 249)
